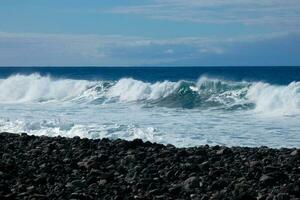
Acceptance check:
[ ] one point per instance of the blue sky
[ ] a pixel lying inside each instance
(149, 32)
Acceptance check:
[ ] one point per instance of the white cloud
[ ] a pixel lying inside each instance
(63, 49)
(169, 51)
(276, 13)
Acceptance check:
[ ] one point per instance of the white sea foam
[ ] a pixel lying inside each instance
(128, 89)
(42, 105)
(32, 88)
(275, 100)
(206, 92)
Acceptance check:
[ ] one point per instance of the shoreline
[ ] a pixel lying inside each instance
(41, 167)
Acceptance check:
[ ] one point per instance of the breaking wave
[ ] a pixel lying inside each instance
(206, 93)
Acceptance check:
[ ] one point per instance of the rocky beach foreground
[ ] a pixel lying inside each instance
(34, 167)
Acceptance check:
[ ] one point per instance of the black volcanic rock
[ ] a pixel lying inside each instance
(72, 168)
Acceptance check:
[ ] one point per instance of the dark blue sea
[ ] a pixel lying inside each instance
(184, 106)
(274, 75)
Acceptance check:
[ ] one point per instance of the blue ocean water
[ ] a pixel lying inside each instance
(273, 75)
(184, 106)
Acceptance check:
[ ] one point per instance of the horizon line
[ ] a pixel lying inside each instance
(142, 66)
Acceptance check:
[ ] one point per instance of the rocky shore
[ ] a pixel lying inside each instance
(72, 168)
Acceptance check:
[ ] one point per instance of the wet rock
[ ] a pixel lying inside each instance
(282, 196)
(255, 164)
(224, 151)
(102, 182)
(266, 180)
(76, 184)
(175, 189)
(191, 183)
(72, 168)
(136, 143)
(219, 184)
(242, 192)
(294, 153)
(95, 172)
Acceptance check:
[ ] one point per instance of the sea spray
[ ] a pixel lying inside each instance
(209, 110)
(275, 100)
(206, 93)
(37, 88)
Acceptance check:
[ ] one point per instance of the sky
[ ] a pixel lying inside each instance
(149, 33)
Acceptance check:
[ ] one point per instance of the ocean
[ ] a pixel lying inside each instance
(183, 106)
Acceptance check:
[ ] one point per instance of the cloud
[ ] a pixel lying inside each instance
(38, 49)
(169, 51)
(58, 49)
(282, 51)
(276, 13)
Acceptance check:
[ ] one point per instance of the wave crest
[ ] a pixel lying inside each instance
(275, 100)
(206, 93)
(37, 88)
(128, 89)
